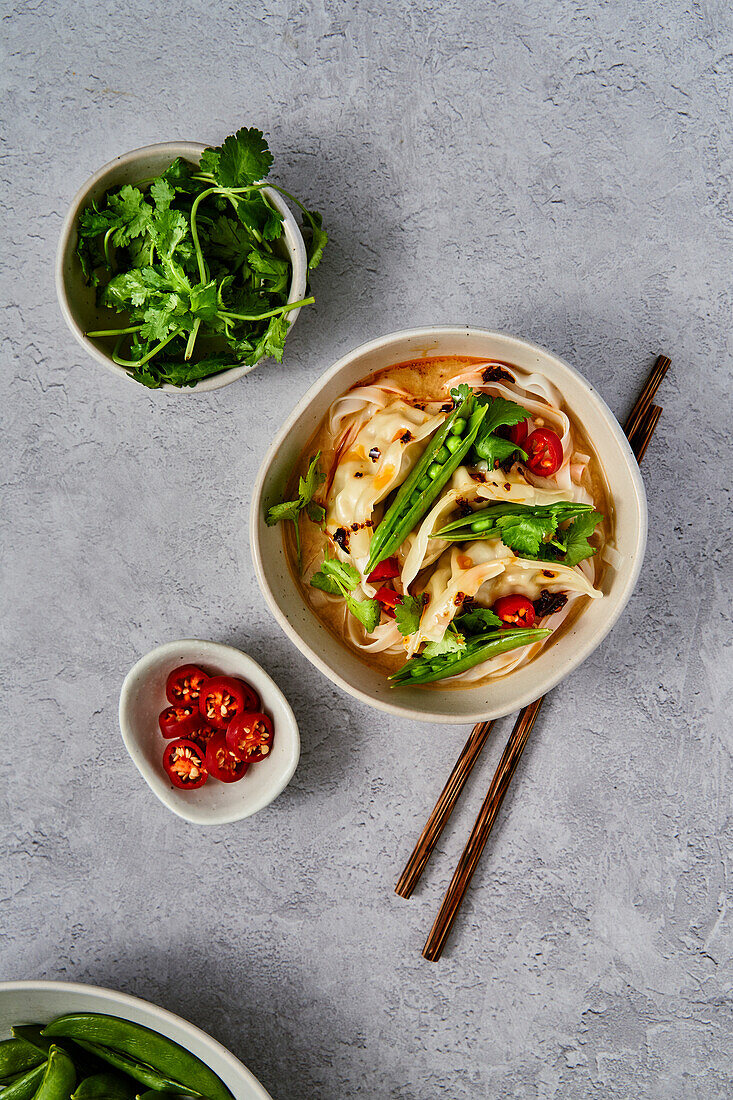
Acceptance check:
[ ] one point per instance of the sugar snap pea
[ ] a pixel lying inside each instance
(171, 1061)
(25, 1087)
(482, 524)
(107, 1086)
(59, 1079)
(18, 1056)
(420, 670)
(427, 479)
(139, 1071)
(33, 1034)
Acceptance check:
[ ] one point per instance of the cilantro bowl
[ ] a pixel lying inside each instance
(375, 376)
(78, 300)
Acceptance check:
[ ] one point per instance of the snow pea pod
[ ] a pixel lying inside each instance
(18, 1056)
(24, 1087)
(139, 1071)
(481, 524)
(421, 670)
(107, 1086)
(32, 1034)
(179, 1068)
(426, 480)
(59, 1079)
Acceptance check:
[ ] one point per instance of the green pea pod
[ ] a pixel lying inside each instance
(33, 1034)
(59, 1079)
(18, 1056)
(107, 1086)
(420, 670)
(139, 1071)
(461, 530)
(25, 1087)
(181, 1069)
(412, 502)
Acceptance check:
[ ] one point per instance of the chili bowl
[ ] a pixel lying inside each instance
(143, 697)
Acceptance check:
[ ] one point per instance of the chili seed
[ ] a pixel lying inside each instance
(459, 426)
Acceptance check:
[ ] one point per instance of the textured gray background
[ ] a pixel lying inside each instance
(558, 170)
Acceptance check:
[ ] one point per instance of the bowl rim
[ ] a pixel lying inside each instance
(130, 740)
(106, 994)
(193, 150)
(549, 681)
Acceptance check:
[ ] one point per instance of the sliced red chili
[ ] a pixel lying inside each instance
(185, 765)
(389, 599)
(385, 571)
(180, 721)
(204, 733)
(250, 737)
(544, 452)
(515, 610)
(518, 432)
(222, 762)
(183, 686)
(223, 698)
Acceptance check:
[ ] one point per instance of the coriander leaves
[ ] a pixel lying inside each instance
(407, 614)
(194, 263)
(308, 486)
(340, 579)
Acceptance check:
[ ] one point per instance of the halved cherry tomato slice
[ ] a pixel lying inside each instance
(515, 610)
(385, 571)
(223, 698)
(184, 684)
(180, 721)
(221, 761)
(250, 737)
(518, 432)
(184, 762)
(389, 599)
(544, 452)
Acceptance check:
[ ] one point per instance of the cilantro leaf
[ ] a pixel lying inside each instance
(272, 341)
(244, 158)
(204, 300)
(493, 449)
(209, 162)
(366, 611)
(133, 215)
(478, 620)
(162, 193)
(575, 538)
(499, 413)
(524, 531)
(407, 614)
(461, 393)
(169, 227)
(451, 642)
(307, 488)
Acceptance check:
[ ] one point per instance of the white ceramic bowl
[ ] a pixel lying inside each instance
(39, 1002)
(143, 698)
(77, 300)
(527, 683)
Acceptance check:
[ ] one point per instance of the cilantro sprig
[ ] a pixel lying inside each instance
(291, 510)
(193, 263)
(500, 413)
(340, 579)
(532, 531)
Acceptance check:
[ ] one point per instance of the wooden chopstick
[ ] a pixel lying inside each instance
(443, 809)
(479, 735)
(433, 949)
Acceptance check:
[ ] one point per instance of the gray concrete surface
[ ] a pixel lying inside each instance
(558, 170)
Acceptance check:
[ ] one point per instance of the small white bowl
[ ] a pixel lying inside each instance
(143, 698)
(78, 301)
(340, 664)
(33, 1002)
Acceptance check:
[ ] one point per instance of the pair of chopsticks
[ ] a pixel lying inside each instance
(639, 429)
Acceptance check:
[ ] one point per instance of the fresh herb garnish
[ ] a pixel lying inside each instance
(451, 642)
(340, 579)
(194, 262)
(574, 539)
(477, 621)
(500, 413)
(532, 531)
(308, 486)
(407, 614)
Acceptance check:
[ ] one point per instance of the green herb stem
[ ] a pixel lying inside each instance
(114, 331)
(226, 315)
(140, 362)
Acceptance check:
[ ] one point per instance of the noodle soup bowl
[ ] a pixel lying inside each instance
(448, 703)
